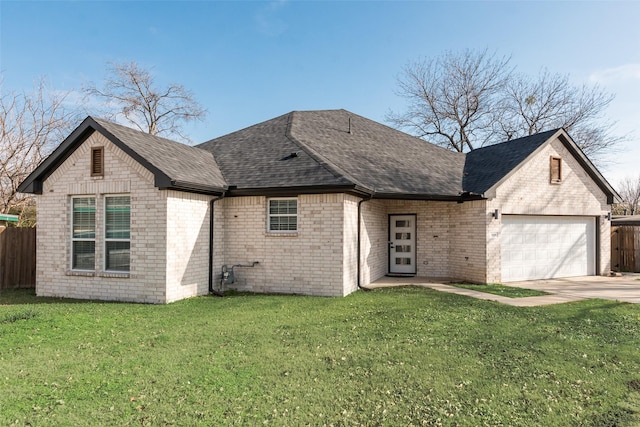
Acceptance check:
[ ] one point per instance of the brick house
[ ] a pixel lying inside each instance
(323, 201)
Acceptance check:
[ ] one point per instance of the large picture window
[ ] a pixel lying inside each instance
(83, 233)
(283, 215)
(117, 236)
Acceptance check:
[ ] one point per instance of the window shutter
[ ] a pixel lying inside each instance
(97, 161)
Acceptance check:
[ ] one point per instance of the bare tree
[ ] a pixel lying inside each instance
(550, 101)
(470, 99)
(453, 99)
(31, 124)
(130, 93)
(629, 190)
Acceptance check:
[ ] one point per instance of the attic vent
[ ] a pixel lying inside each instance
(97, 161)
(556, 170)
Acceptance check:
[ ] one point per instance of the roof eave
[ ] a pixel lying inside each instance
(291, 191)
(33, 183)
(592, 171)
(190, 187)
(460, 198)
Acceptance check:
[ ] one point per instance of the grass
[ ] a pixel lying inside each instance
(394, 356)
(505, 291)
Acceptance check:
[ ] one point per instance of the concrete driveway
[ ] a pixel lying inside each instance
(625, 288)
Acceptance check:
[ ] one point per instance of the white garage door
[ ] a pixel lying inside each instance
(544, 247)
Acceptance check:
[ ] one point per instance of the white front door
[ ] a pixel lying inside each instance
(402, 244)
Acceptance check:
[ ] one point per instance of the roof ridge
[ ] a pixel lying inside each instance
(317, 157)
(226, 135)
(537, 134)
(442, 149)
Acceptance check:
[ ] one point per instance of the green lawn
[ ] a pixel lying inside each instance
(394, 356)
(505, 291)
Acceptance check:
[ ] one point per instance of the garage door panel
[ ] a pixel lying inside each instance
(542, 247)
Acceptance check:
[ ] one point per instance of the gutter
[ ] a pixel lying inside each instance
(211, 243)
(359, 268)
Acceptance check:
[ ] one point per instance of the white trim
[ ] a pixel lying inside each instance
(268, 221)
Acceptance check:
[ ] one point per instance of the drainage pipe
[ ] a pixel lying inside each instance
(211, 243)
(359, 268)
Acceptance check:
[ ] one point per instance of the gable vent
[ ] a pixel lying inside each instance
(97, 161)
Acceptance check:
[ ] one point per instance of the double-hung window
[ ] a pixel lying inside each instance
(83, 233)
(117, 235)
(283, 215)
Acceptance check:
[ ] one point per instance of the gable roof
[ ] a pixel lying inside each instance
(174, 165)
(319, 152)
(488, 167)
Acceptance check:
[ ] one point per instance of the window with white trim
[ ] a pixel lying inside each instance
(117, 233)
(283, 215)
(83, 233)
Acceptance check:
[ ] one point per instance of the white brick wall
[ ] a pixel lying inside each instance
(187, 245)
(373, 238)
(146, 281)
(310, 261)
(449, 238)
(350, 245)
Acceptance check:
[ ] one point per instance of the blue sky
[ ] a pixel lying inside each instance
(250, 61)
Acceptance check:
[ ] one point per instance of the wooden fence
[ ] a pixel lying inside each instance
(625, 248)
(17, 258)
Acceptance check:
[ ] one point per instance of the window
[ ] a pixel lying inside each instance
(556, 170)
(97, 161)
(83, 233)
(283, 214)
(117, 233)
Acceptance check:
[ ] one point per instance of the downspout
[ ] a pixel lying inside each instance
(211, 243)
(358, 269)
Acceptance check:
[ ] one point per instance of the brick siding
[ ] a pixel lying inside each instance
(170, 232)
(146, 280)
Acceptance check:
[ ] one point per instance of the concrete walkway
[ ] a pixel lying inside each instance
(625, 288)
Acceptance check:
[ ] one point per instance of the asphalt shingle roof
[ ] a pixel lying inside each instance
(262, 156)
(336, 147)
(484, 167)
(327, 150)
(378, 157)
(178, 161)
